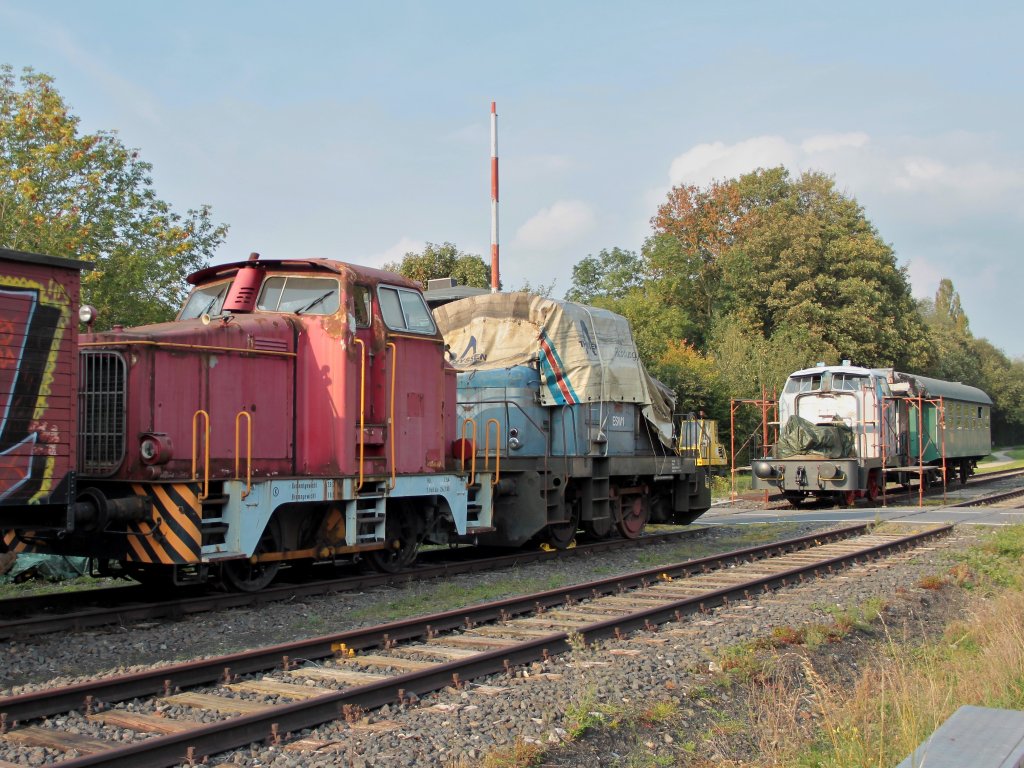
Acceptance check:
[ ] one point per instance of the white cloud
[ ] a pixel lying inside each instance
(924, 276)
(394, 253)
(829, 142)
(557, 226)
(706, 162)
(942, 165)
(974, 178)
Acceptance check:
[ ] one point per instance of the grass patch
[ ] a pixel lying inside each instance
(38, 587)
(724, 540)
(996, 563)
(442, 597)
(521, 754)
(908, 690)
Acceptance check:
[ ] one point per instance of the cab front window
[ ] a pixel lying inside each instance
(847, 382)
(301, 295)
(803, 384)
(205, 300)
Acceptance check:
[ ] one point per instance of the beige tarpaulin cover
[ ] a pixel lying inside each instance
(584, 354)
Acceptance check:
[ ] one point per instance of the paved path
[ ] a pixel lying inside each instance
(1001, 458)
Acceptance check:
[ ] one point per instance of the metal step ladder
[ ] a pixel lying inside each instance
(214, 527)
(597, 493)
(366, 515)
(480, 505)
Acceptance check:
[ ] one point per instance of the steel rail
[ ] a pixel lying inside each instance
(990, 499)
(142, 609)
(150, 682)
(236, 732)
(896, 495)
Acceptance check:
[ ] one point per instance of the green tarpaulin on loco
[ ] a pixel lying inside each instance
(43, 567)
(802, 438)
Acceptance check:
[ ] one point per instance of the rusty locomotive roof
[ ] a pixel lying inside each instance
(333, 266)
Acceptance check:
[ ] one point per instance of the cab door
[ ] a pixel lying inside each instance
(369, 379)
(415, 384)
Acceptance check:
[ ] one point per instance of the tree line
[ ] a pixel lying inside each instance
(739, 283)
(745, 280)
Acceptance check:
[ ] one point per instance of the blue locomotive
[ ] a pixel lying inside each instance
(553, 397)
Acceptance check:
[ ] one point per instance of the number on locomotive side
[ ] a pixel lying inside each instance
(618, 421)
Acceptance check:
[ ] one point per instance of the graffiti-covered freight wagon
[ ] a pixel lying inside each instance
(39, 302)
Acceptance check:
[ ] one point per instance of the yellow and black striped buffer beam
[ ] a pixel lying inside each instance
(13, 543)
(173, 533)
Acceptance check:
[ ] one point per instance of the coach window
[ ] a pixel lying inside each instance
(405, 310)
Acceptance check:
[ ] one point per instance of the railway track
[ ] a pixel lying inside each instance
(900, 495)
(33, 615)
(268, 693)
(992, 499)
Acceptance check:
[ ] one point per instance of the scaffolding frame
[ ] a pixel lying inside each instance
(769, 429)
(921, 469)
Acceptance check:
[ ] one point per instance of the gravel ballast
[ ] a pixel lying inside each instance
(459, 727)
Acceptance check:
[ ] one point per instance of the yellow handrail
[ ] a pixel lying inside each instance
(497, 448)
(248, 450)
(195, 451)
(462, 448)
(362, 408)
(391, 414)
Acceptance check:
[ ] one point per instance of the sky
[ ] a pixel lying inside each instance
(361, 131)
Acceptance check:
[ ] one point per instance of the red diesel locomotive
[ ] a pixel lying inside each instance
(295, 411)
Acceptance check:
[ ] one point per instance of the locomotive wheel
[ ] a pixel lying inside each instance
(597, 529)
(847, 498)
(633, 514)
(402, 541)
(245, 576)
(560, 535)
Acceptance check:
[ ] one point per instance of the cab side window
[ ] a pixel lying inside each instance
(404, 310)
(361, 305)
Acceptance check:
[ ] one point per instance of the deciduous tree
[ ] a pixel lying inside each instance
(86, 196)
(612, 274)
(443, 260)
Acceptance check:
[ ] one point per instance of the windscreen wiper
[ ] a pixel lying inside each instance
(314, 302)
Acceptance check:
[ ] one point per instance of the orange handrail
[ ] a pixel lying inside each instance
(362, 408)
(248, 450)
(391, 415)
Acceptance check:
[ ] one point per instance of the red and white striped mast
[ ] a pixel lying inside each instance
(495, 282)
